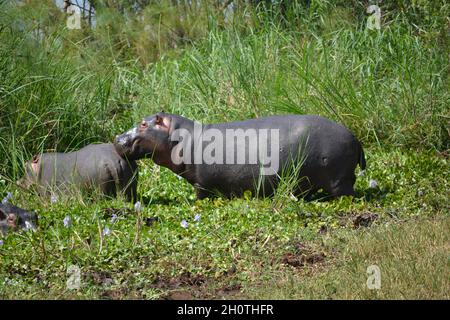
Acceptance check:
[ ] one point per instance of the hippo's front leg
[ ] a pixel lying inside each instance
(130, 190)
(201, 192)
(126, 177)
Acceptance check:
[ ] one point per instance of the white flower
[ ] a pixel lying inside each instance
(197, 217)
(1, 242)
(106, 231)
(114, 218)
(138, 207)
(373, 184)
(67, 222)
(184, 224)
(53, 198)
(7, 198)
(29, 226)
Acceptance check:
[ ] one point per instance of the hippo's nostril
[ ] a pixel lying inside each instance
(143, 124)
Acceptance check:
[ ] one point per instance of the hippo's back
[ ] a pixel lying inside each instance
(320, 136)
(328, 152)
(92, 164)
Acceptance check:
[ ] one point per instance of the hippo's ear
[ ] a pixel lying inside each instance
(163, 122)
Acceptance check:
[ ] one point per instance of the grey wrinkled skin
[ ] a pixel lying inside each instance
(327, 151)
(94, 166)
(13, 218)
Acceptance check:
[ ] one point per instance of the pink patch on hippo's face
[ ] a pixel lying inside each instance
(35, 164)
(35, 167)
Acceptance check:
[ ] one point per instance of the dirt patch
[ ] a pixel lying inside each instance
(302, 256)
(186, 279)
(302, 260)
(364, 220)
(184, 287)
(180, 295)
(229, 290)
(357, 220)
(115, 294)
(188, 287)
(99, 278)
(323, 230)
(150, 221)
(444, 154)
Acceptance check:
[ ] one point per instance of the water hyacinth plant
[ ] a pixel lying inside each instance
(138, 207)
(53, 199)
(8, 197)
(114, 218)
(106, 231)
(184, 224)
(67, 222)
(29, 226)
(373, 184)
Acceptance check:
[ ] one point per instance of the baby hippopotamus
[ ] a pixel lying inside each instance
(230, 158)
(12, 218)
(96, 166)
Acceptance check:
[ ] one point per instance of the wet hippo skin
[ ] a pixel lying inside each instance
(327, 152)
(94, 166)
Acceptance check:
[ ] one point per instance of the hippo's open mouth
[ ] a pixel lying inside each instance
(135, 144)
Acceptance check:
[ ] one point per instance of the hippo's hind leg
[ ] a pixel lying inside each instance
(108, 189)
(305, 189)
(342, 187)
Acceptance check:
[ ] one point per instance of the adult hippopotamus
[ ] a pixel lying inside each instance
(96, 166)
(12, 218)
(230, 158)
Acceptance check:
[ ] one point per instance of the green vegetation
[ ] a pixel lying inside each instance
(61, 89)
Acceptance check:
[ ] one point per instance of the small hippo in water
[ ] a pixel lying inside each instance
(249, 155)
(12, 218)
(94, 166)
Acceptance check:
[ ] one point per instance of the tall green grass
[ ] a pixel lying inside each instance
(387, 86)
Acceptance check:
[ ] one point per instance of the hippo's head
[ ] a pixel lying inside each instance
(150, 137)
(31, 173)
(13, 218)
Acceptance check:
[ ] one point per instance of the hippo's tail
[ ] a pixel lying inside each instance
(362, 158)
